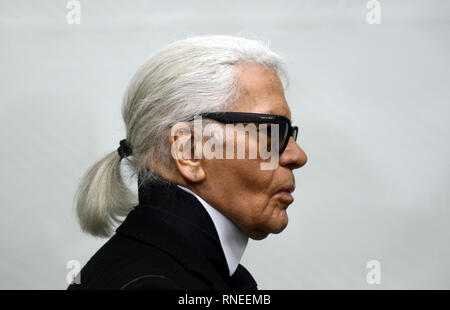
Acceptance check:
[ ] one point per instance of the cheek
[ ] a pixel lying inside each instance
(246, 188)
(256, 183)
(257, 209)
(244, 177)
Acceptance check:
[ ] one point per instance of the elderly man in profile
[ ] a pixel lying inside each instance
(190, 224)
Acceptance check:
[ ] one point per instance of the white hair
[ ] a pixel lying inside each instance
(185, 78)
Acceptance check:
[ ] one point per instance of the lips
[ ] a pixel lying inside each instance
(287, 188)
(284, 193)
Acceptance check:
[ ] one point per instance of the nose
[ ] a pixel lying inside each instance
(293, 156)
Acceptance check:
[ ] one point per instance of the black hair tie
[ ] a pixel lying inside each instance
(124, 149)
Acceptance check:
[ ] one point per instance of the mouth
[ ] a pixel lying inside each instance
(284, 194)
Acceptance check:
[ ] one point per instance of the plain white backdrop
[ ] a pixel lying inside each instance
(372, 103)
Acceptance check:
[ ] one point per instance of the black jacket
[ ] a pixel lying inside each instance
(168, 241)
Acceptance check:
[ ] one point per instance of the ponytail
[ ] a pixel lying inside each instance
(102, 197)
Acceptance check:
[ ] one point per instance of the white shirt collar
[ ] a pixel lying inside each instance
(232, 239)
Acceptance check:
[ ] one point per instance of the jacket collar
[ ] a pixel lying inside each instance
(173, 220)
(232, 240)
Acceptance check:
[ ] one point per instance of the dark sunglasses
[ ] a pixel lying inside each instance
(286, 130)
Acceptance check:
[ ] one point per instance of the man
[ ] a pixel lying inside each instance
(195, 214)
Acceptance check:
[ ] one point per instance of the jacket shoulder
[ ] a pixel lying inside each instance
(127, 263)
(151, 282)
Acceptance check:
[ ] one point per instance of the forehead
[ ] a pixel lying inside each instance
(261, 91)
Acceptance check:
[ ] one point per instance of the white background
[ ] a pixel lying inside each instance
(372, 103)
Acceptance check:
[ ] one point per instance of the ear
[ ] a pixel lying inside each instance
(181, 141)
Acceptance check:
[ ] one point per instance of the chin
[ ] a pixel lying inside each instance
(274, 227)
(260, 235)
(280, 224)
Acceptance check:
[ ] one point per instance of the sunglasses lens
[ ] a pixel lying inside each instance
(295, 133)
(266, 130)
(283, 134)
